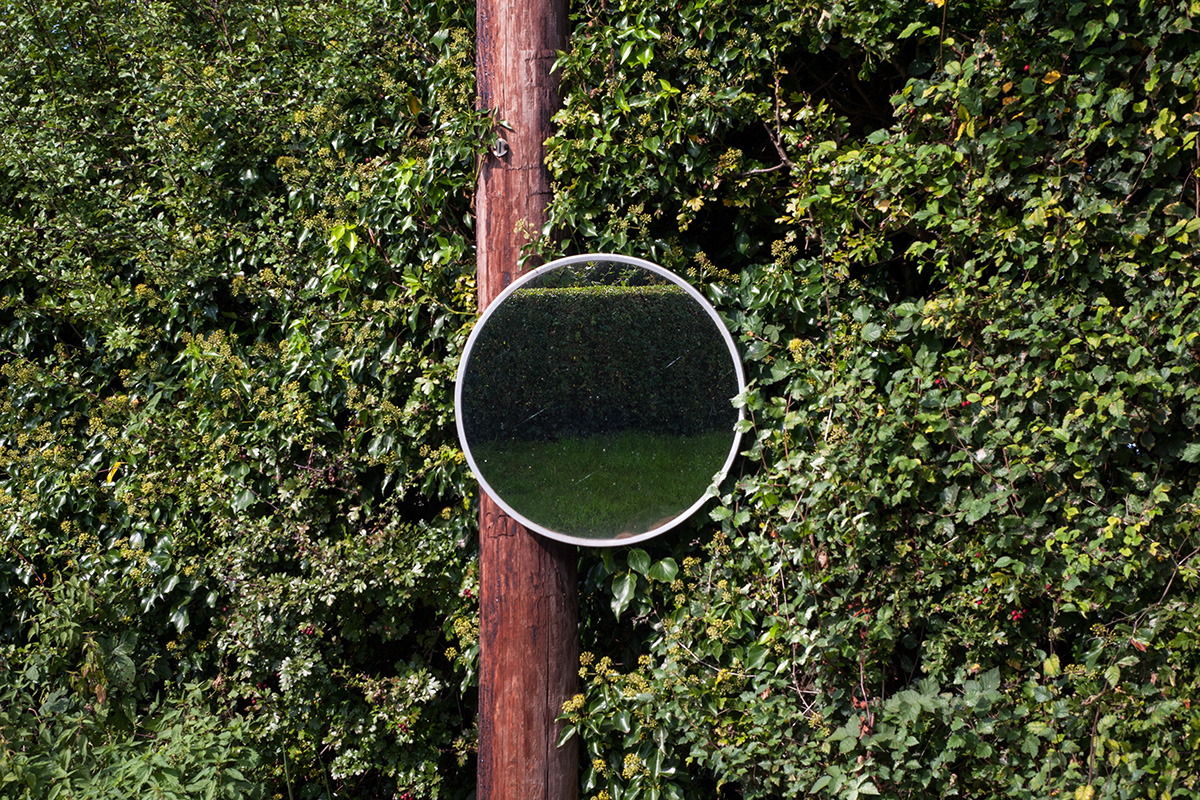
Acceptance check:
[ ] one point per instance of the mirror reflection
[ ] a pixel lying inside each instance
(594, 400)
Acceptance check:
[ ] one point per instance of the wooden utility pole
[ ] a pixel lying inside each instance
(528, 627)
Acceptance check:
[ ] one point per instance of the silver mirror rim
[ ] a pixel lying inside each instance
(466, 355)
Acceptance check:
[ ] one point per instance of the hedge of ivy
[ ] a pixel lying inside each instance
(594, 360)
(955, 241)
(236, 275)
(958, 243)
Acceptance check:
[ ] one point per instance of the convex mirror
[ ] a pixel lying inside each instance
(594, 399)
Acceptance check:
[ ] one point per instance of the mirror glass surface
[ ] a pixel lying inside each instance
(594, 400)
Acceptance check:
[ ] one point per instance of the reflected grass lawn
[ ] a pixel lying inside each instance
(604, 487)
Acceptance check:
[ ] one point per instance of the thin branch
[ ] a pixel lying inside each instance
(776, 135)
(1138, 179)
(1196, 177)
(761, 171)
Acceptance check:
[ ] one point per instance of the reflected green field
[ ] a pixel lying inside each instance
(604, 487)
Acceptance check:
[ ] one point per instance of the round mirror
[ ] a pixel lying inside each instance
(594, 400)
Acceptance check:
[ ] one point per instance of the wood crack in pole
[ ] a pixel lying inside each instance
(528, 639)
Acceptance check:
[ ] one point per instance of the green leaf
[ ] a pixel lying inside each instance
(179, 617)
(639, 561)
(243, 499)
(623, 588)
(1113, 675)
(756, 656)
(119, 668)
(566, 736)
(976, 509)
(865, 786)
(664, 570)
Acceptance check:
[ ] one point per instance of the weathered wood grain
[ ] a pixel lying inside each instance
(528, 591)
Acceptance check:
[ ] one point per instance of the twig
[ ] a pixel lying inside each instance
(942, 39)
(1136, 180)
(1196, 176)
(775, 140)
(760, 171)
(776, 135)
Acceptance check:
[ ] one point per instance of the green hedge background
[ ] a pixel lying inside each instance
(956, 242)
(597, 360)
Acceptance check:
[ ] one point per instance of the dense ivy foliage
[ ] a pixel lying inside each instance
(958, 244)
(955, 241)
(237, 271)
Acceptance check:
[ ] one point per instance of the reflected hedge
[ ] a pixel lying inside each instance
(575, 362)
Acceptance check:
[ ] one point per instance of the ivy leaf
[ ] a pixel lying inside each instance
(243, 500)
(179, 617)
(623, 589)
(664, 570)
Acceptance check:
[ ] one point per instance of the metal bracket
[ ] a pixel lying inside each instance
(500, 147)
